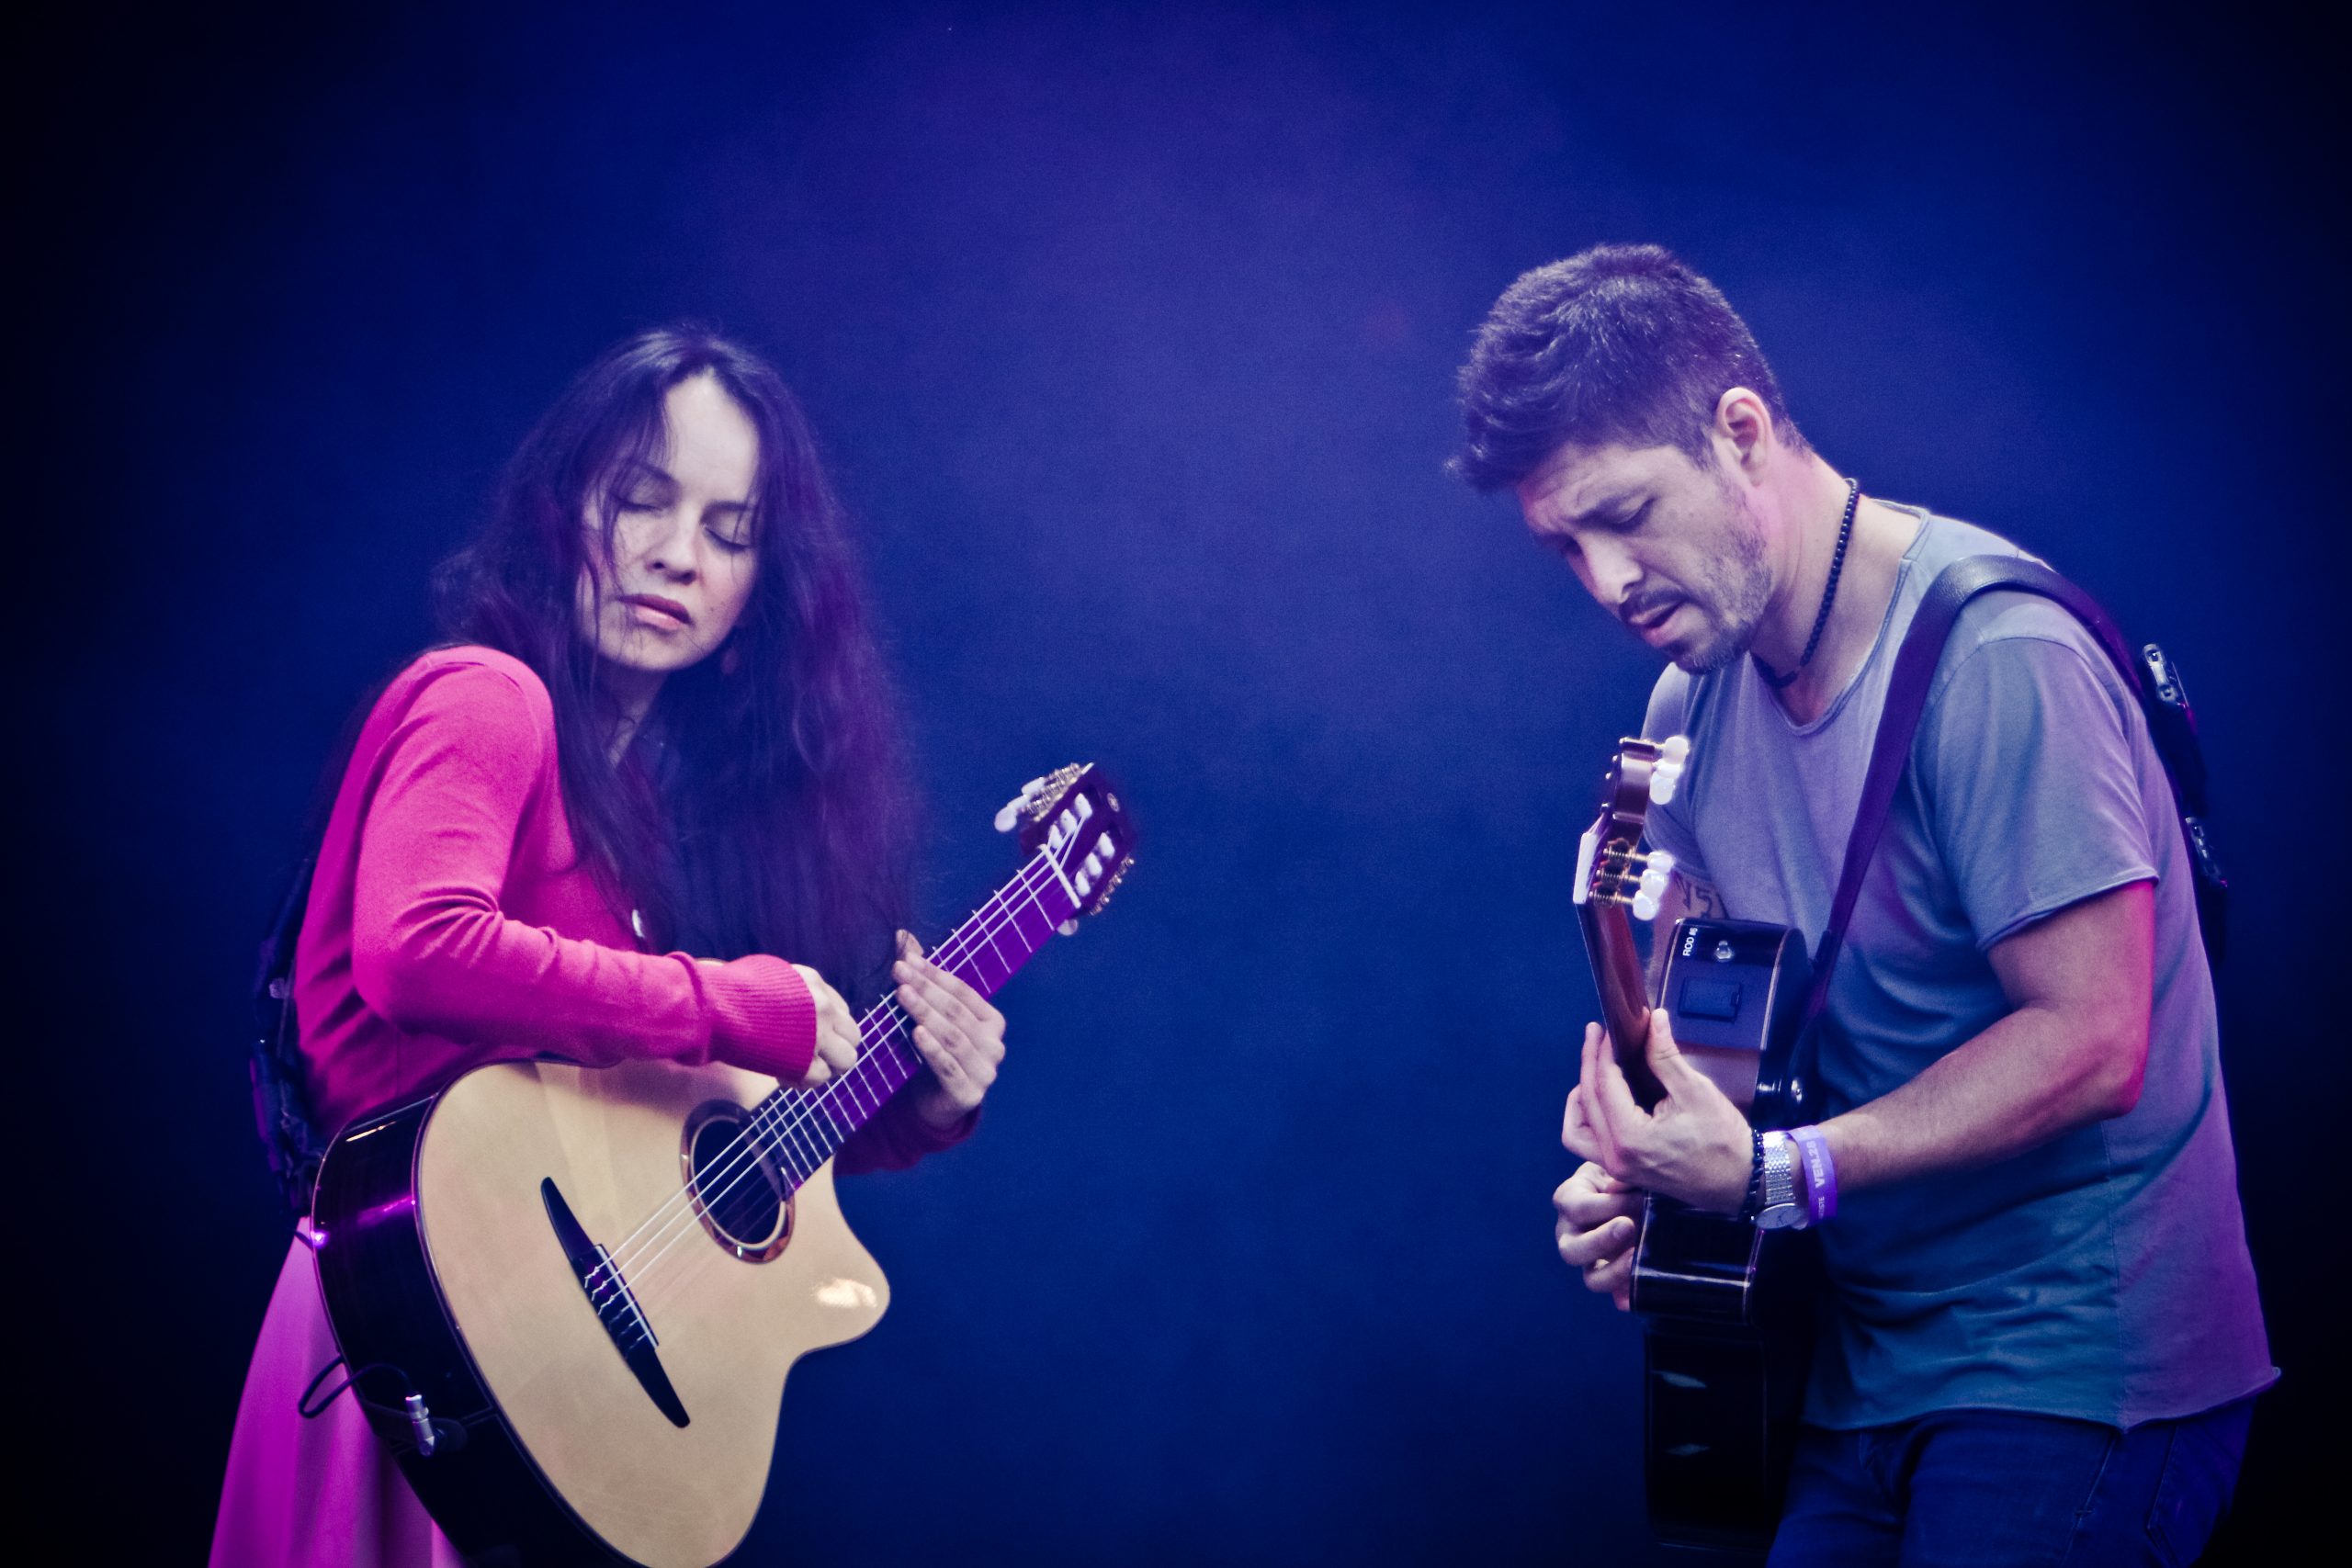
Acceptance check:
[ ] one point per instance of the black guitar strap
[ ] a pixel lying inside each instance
(2152, 679)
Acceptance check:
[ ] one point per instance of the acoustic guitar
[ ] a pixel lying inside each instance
(1726, 1329)
(569, 1296)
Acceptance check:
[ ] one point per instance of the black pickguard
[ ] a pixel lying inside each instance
(615, 1303)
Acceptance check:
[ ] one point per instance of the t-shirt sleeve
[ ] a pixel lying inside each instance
(2027, 766)
(434, 952)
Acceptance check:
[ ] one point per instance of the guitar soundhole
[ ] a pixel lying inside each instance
(739, 1193)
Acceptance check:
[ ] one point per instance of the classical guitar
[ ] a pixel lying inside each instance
(569, 1297)
(1726, 1329)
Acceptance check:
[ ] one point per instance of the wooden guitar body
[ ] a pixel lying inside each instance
(569, 1297)
(466, 1219)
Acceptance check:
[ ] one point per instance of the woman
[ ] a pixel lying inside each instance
(659, 730)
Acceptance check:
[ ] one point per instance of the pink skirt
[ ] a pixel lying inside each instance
(319, 1494)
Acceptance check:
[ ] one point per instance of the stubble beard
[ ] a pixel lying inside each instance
(1733, 596)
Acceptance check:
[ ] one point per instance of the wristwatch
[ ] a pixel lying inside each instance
(1782, 1207)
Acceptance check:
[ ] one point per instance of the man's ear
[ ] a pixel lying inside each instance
(1743, 431)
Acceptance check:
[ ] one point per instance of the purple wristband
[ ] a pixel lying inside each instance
(1819, 1170)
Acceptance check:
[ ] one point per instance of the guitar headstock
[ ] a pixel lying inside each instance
(1074, 817)
(1609, 867)
(1612, 876)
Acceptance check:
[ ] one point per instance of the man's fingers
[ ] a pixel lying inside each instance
(1673, 1068)
(1612, 1106)
(1585, 1249)
(1593, 1104)
(1575, 1129)
(1585, 1204)
(1604, 1255)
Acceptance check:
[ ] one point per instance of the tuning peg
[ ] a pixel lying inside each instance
(1646, 905)
(1666, 773)
(1068, 928)
(1009, 814)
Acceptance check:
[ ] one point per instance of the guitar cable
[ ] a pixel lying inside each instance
(433, 1434)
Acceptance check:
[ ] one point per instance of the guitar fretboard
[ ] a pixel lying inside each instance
(804, 1128)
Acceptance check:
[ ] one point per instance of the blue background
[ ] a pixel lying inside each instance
(1130, 333)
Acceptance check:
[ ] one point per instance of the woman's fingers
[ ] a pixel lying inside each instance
(959, 1034)
(837, 1041)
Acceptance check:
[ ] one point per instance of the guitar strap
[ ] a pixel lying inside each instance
(2152, 679)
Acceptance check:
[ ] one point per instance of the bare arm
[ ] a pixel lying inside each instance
(2072, 1049)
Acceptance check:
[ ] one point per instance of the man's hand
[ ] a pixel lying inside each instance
(836, 1033)
(1694, 1145)
(961, 1037)
(1597, 1229)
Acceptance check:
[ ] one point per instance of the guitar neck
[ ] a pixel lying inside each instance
(1625, 993)
(808, 1126)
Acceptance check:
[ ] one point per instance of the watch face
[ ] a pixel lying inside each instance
(1781, 1217)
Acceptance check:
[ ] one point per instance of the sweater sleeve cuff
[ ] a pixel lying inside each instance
(898, 1137)
(764, 1018)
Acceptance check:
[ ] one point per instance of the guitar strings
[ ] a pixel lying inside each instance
(786, 1112)
(784, 1125)
(788, 1116)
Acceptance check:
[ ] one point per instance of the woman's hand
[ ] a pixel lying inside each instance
(1597, 1229)
(836, 1033)
(960, 1036)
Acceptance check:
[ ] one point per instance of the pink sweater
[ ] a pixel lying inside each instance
(452, 921)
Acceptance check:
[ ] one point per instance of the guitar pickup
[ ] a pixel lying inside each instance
(614, 1302)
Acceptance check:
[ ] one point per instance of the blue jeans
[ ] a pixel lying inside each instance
(1981, 1487)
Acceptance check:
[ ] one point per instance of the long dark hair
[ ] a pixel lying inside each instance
(764, 807)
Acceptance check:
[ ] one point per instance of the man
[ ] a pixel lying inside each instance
(2041, 1332)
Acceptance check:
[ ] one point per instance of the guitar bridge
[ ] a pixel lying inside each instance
(614, 1302)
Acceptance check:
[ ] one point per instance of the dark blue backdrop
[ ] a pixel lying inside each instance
(1131, 335)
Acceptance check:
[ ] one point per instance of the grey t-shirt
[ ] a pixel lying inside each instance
(2104, 1274)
